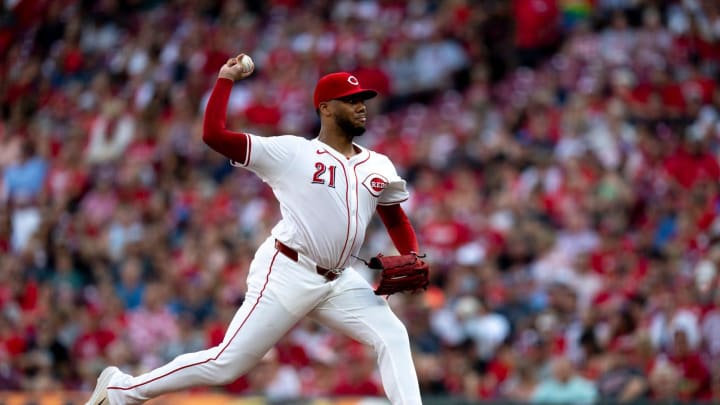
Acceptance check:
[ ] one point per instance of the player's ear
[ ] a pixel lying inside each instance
(323, 109)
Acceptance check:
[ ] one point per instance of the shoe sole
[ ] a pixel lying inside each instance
(99, 395)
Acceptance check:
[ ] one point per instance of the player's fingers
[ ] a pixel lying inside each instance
(232, 61)
(239, 56)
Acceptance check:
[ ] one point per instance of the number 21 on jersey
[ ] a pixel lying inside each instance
(320, 175)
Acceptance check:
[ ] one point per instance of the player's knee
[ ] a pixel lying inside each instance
(226, 376)
(227, 372)
(229, 368)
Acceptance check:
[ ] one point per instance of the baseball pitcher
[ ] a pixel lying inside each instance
(328, 189)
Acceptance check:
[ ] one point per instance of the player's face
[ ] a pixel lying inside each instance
(351, 115)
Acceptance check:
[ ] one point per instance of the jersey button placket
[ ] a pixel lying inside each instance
(352, 209)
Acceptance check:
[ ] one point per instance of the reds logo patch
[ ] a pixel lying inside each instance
(375, 184)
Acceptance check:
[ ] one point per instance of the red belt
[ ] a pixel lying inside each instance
(292, 254)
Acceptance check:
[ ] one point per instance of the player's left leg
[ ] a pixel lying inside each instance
(255, 328)
(353, 309)
(280, 293)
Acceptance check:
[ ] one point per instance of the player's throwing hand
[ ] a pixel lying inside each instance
(237, 68)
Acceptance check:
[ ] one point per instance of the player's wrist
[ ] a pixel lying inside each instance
(227, 76)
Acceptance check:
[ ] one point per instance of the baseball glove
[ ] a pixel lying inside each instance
(400, 273)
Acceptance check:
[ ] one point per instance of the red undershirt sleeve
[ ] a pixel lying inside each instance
(399, 227)
(233, 145)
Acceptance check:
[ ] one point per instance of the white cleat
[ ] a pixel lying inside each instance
(99, 396)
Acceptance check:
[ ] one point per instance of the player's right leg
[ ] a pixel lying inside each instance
(353, 309)
(258, 324)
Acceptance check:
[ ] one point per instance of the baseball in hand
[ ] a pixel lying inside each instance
(247, 64)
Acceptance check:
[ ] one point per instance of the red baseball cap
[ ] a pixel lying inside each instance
(339, 85)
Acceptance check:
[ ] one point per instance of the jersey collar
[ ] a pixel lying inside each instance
(329, 149)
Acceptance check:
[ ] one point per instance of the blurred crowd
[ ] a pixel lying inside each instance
(562, 157)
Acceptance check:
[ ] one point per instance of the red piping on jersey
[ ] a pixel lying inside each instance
(357, 202)
(267, 278)
(347, 204)
(249, 149)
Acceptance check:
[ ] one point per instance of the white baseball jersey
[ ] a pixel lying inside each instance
(326, 199)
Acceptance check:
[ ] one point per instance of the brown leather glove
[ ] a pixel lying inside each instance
(400, 273)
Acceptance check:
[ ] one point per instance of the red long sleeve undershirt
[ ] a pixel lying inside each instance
(228, 143)
(399, 228)
(233, 145)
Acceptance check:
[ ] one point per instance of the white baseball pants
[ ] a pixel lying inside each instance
(280, 293)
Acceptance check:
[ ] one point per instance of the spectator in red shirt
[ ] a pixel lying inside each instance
(694, 382)
(291, 353)
(693, 162)
(94, 337)
(537, 24)
(444, 233)
(263, 114)
(358, 378)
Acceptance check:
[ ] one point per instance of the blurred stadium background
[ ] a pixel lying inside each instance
(562, 157)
